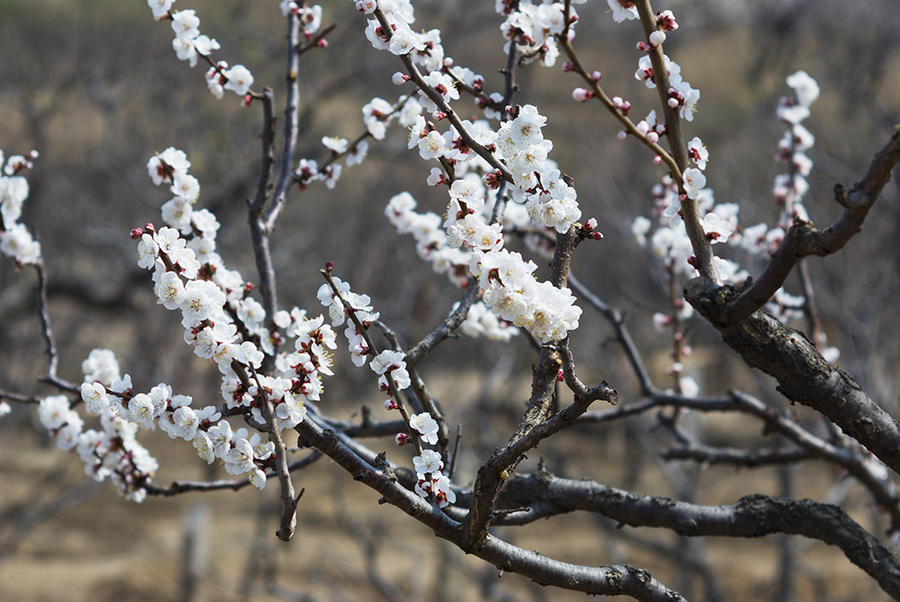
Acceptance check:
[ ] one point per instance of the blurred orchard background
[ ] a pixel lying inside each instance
(96, 88)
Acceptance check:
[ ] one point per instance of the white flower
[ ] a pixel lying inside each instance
(428, 462)
(716, 228)
(257, 478)
(698, 153)
(94, 397)
(689, 386)
(160, 7)
(404, 40)
(185, 23)
(101, 366)
(204, 45)
(16, 242)
(141, 410)
(239, 460)
(204, 446)
(220, 435)
(694, 180)
(431, 146)
(639, 228)
(185, 51)
(357, 153)
(425, 425)
(442, 492)
(338, 145)
(805, 87)
(185, 423)
(386, 361)
(186, 186)
(239, 80)
(53, 411)
(622, 10)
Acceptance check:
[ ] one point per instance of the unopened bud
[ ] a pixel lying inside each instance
(390, 404)
(582, 94)
(136, 233)
(401, 439)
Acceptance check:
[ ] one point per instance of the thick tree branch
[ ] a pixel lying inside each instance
(609, 580)
(803, 375)
(803, 239)
(751, 516)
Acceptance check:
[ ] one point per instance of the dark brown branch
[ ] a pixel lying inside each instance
(775, 421)
(707, 454)
(751, 516)
(609, 580)
(179, 487)
(291, 122)
(803, 375)
(288, 498)
(803, 239)
(689, 207)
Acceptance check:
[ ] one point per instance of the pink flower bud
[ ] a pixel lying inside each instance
(596, 75)
(323, 43)
(622, 135)
(148, 227)
(653, 137)
(390, 404)
(643, 47)
(597, 235)
(329, 266)
(590, 224)
(657, 160)
(399, 78)
(246, 100)
(672, 102)
(136, 233)
(567, 67)
(560, 376)
(581, 94)
(401, 439)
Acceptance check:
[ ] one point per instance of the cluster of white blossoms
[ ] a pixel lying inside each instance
(680, 94)
(110, 453)
(670, 242)
(431, 481)
(789, 188)
(533, 28)
(310, 16)
(390, 366)
(189, 44)
(549, 313)
(16, 241)
(190, 276)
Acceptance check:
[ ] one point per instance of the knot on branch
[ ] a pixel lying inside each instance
(712, 301)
